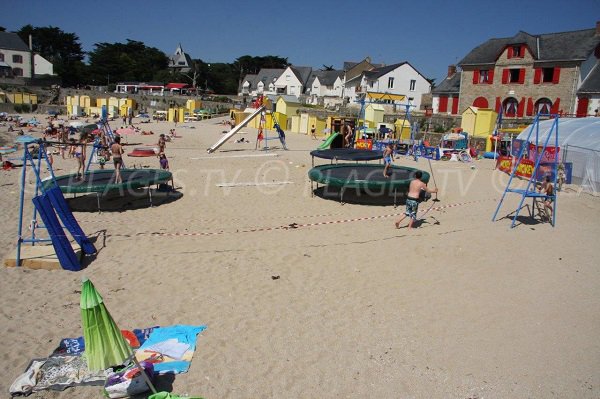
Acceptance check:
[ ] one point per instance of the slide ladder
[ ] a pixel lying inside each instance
(236, 129)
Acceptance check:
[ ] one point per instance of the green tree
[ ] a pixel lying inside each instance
(131, 61)
(62, 49)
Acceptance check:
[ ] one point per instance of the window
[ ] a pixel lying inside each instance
(181, 63)
(543, 106)
(510, 106)
(390, 83)
(483, 76)
(17, 72)
(513, 76)
(413, 83)
(1, 57)
(17, 59)
(547, 74)
(516, 51)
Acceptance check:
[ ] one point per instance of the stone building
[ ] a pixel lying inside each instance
(528, 74)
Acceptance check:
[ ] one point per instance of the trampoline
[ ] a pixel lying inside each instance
(346, 154)
(102, 181)
(364, 177)
(143, 152)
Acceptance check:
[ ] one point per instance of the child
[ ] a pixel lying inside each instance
(548, 189)
(388, 157)
(164, 162)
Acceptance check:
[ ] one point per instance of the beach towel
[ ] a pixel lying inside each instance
(67, 367)
(170, 348)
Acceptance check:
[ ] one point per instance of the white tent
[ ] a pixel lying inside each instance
(579, 142)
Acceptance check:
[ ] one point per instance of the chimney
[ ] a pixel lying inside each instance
(451, 70)
(598, 27)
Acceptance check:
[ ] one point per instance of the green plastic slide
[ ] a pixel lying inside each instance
(328, 142)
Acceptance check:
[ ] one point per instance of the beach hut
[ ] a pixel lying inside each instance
(374, 114)
(479, 122)
(402, 128)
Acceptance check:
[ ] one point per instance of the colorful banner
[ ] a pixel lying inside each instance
(364, 144)
(524, 169)
(550, 153)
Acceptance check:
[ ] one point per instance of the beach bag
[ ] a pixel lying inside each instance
(128, 381)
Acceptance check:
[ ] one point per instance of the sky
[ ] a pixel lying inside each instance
(429, 34)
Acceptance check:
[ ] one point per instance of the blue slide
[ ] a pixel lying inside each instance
(66, 256)
(66, 216)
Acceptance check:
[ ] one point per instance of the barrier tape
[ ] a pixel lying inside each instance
(294, 226)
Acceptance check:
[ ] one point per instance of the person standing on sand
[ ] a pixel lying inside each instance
(117, 153)
(416, 191)
(388, 157)
(313, 132)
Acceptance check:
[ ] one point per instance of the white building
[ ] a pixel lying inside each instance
(325, 87)
(401, 79)
(293, 81)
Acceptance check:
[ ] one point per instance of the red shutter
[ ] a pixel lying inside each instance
(510, 52)
(523, 47)
(554, 109)
(476, 76)
(529, 111)
(443, 104)
(491, 76)
(556, 75)
(537, 76)
(498, 105)
(454, 105)
(582, 107)
(521, 107)
(505, 74)
(521, 75)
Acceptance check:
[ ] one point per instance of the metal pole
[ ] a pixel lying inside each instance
(21, 202)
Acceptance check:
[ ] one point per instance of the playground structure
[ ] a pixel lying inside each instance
(365, 178)
(236, 129)
(260, 108)
(52, 208)
(527, 167)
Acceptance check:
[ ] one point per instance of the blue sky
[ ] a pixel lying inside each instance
(429, 34)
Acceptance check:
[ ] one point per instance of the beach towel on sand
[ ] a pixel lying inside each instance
(67, 367)
(170, 348)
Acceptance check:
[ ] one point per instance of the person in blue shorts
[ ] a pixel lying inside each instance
(388, 157)
(416, 191)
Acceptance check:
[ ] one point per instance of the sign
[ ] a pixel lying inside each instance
(363, 144)
(504, 164)
(549, 155)
(516, 147)
(524, 169)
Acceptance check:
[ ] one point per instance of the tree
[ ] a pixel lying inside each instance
(62, 49)
(131, 61)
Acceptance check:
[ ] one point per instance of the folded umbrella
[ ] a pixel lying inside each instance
(105, 345)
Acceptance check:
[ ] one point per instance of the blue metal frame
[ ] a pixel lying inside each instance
(527, 193)
(27, 157)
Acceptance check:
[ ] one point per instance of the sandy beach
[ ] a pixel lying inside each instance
(305, 297)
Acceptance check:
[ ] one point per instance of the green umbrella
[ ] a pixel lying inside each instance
(105, 346)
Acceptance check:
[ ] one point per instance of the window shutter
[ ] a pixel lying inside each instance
(510, 52)
(505, 74)
(498, 105)
(476, 76)
(521, 107)
(582, 107)
(491, 76)
(521, 75)
(443, 104)
(537, 75)
(454, 105)
(523, 47)
(556, 75)
(555, 106)
(529, 110)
